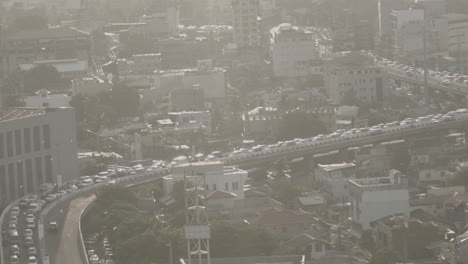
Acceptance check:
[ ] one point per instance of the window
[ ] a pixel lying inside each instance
(36, 138)
(38, 162)
(235, 186)
(2, 143)
(27, 140)
(18, 144)
(226, 186)
(29, 176)
(11, 180)
(48, 169)
(19, 176)
(318, 247)
(46, 135)
(3, 183)
(9, 139)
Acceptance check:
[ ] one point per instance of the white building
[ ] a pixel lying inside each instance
(210, 79)
(217, 177)
(37, 145)
(246, 26)
(187, 119)
(333, 179)
(375, 198)
(355, 74)
(291, 48)
(43, 98)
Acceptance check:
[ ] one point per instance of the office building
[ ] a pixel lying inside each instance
(37, 145)
(246, 25)
(292, 48)
(355, 75)
(374, 198)
(385, 9)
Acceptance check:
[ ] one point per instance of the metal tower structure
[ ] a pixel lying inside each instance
(197, 230)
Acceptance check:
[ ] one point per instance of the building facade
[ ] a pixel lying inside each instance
(333, 179)
(355, 75)
(375, 198)
(246, 25)
(262, 122)
(37, 145)
(291, 47)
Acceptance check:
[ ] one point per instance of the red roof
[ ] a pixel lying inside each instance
(220, 195)
(278, 216)
(47, 33)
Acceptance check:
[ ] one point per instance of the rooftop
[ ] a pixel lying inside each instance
(372, 182)
(262, 110)
(8, 114)
(220, 195)
(62, 66)
(48, 33)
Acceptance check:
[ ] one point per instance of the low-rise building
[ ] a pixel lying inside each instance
(284, 224)
(262, 122)
(43, 98)
(68, 69)
(374, 198)
(90, 86)
(188, 119)
(435, 176)
(145, 63)
(409, 238)
(216, 177)
(333, 179)
(211, 80)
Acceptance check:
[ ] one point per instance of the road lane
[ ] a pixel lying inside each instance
(68, 250)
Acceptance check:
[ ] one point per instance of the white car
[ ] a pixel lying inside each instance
(32, 260)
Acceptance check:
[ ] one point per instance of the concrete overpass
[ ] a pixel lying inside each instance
(310, 147)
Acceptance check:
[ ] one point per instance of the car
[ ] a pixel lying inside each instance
(31, 225)
(51, 197)
(32, 260)
(28, 233)
(32, 251)
(53, 226)
(14, 259)
(28, 242)
(14, 250)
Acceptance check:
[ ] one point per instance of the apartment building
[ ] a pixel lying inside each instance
(374, 198)
(246, 25)
(333, 179)
(355, 74)
(290, 48)
(37, 145)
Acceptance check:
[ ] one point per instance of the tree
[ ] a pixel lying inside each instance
(461, 178)
(40, 77)
(240, 240)
(384, 256)
(285, 192)
(115, 194)
(300, 124)
(125, 100)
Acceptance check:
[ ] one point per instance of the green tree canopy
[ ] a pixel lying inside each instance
(40, 77)
(300, 124)
(240, 240)
(125, 100)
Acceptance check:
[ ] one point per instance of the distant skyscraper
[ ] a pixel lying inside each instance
(246, 26)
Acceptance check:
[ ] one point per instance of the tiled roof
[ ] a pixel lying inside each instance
(47, 33)
(7, 114)
(278, 216)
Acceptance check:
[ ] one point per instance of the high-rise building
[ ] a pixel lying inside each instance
(246, 25)
(37, 146)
